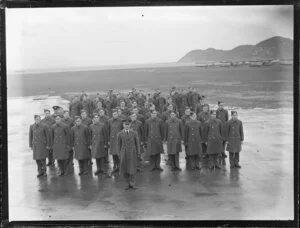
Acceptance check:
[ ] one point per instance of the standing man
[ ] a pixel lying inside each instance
(39, 142)
(137, 126)
(203, 117)
(49, 121)
(193, 142)
(213, 137)
(61, 144)
(234, 138)
(75, 107)
(87, 121)
(80, 138)
(222, 114)
(104, 120)
(87, 105)
(154, 135)
(98, 143)
(174, 137)
(114, 127)
(199, 106)
(70, 123)
(128, 146)
(187, 115)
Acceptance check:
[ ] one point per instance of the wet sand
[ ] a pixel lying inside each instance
(261, 189)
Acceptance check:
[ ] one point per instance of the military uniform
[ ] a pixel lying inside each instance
(174, 135)
(222, 115)
(114, 127)
(74, 109)
(80, 136)
(203, 117)
(159, 103)
(61, 145)
(70, 123)
(104, 120)
(213, 136)
(128, 145)
(88, 106)
(39, 140)
(87, 121)
(154, 135)
(138, 127)
(49, 121)
(193, 142)
(234, 136)
(99, 142)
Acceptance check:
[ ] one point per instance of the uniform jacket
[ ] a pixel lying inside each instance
(154, 135)
(128, 147)
(114, 127)
(222, 115)
(39, 139)
(213, 135)
(159, 103)
(88, 105)
(61, 141)
(234, 135)
(137, 126)
(193, 138)
(69, 122)
(165, 108)
(86, 121)
(80, 137)
(74, 109)
(203, 117)
(174, 135)
(99, 139)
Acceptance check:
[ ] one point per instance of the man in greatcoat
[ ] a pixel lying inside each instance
(193, 142)
(154, 135)
(98, 143)
(128, 146)
(234, 138)
(203, 117)
(49, 121)
(87, 121)
(70, 123)
(80, 138)
(114, 127)
(87, 105)
(222, 114)
(61, 144)
(138, 127)
(104, 120)
(213, 137)
(174, 137)
(75, 107)
(39, 142)
(166, 106)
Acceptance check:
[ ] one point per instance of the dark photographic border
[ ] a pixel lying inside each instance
(115, 3)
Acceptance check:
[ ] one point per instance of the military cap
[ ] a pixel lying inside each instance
(46, 110)
(59, 116)
(127, 121)
(35, 116)
(82, 110)
(77, 117)
(56, 107)
(66, 111)
(187, 107)
(192, 113)
(233, 112)
(114, 110)
(95, 114)
(220, 102)
(213, 112)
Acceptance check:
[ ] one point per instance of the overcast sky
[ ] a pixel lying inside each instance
(82, 37)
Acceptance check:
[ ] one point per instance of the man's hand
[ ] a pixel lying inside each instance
(47, 147)
(73, 148)
(142, 143)
(182, 142)
(30, 148)
(105, 146)
(90, 147)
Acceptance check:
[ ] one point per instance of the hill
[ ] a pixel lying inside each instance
(274, 48)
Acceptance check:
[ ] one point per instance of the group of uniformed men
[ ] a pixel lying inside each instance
(135, 125)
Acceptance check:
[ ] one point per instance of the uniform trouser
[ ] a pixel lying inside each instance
(129, 179)
(213, 160)
(193, 161)
(174, 158)
(83, 166)
(62, 164)
(90, 159)
(224, 147)
(116, 161)
(155, 160)
(41, 165)
(100, 164)
(51, 158)
(234, 158)
(204, 148)
(71, 157)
